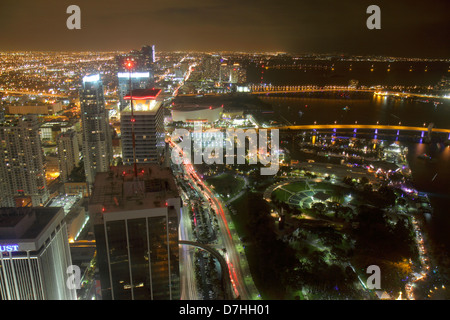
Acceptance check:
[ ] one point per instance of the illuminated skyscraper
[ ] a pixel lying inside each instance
(232, 73)
(22, 171)
(136, 230)
(147, 121)
(34, 254)
(211, 67)
(96, 136)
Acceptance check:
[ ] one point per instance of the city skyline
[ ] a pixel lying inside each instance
(409, 29)
(143, 127)
(350, 129)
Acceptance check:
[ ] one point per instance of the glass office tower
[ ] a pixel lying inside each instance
(136, 229)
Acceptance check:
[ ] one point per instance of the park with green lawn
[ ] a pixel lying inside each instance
(313, 237)
(336, 231)
(226, 185)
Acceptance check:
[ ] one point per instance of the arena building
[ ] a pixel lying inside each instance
(195, 112)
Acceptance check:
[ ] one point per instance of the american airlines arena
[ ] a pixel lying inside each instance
(195, 112)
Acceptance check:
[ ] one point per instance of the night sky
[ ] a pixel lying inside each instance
(409, 28)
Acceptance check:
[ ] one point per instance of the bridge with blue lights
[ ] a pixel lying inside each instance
(269, 89)
(425, 131)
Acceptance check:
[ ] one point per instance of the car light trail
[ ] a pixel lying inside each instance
(215, 205)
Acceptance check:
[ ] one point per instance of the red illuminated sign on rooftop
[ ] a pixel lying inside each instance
(143, 94)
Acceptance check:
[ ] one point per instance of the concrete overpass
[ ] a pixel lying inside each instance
(226, 285)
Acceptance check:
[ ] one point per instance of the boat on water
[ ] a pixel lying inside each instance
(346, 108)
(423, 204)
(424, 156)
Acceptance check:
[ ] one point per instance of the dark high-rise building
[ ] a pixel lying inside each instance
(136, 221)
(34, 254)
(148, 54)
(22, 170)
(96, 135)
(148, 124)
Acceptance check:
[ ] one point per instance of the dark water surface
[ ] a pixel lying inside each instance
(431, 177)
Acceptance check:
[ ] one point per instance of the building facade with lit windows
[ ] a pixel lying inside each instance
(96, 135)
(34, 254)
(22, 170)
(232, 73)
(147, 122)
(68, 153)
(136, 218)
